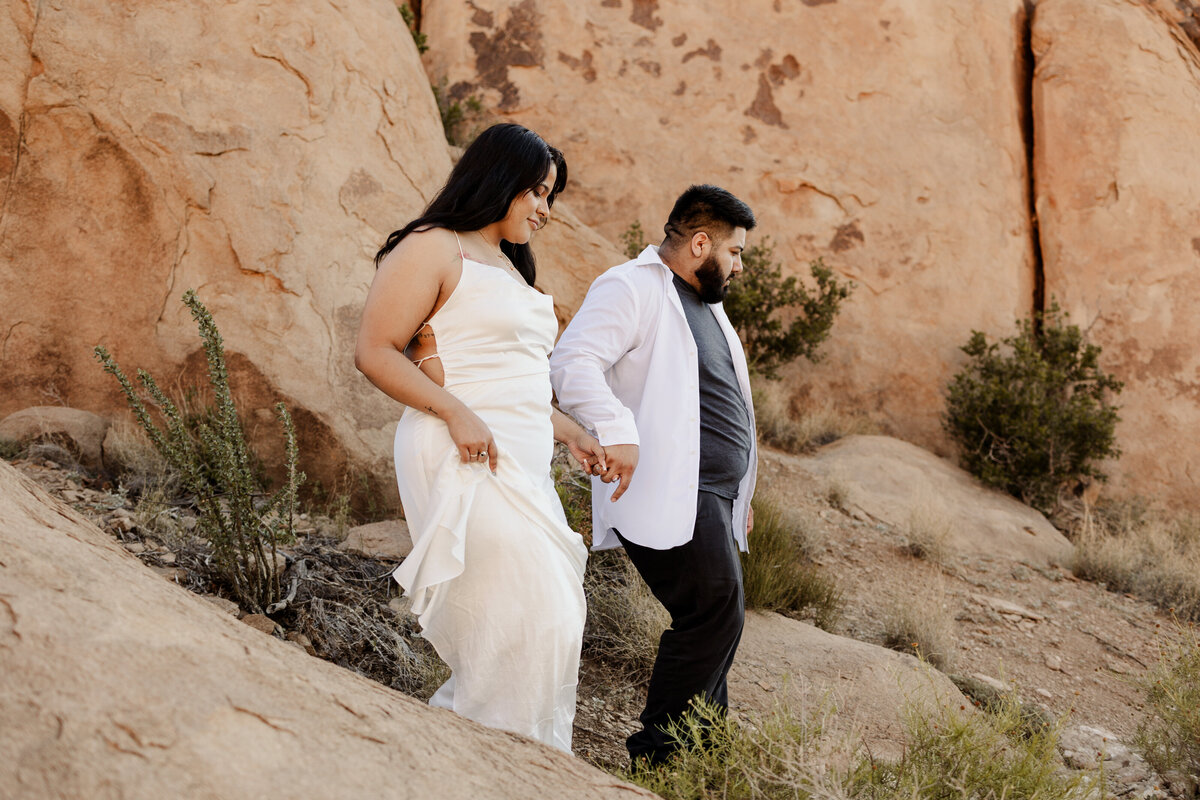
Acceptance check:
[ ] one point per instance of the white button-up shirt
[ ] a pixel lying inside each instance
(626, 368)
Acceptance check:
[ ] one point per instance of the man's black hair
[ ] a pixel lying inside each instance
(707, 208)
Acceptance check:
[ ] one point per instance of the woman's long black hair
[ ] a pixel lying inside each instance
(504, 161)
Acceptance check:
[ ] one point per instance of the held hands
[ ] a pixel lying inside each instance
(588, 452)
(622, 461)
(473, 438)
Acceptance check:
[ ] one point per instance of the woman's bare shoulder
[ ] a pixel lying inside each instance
(432, 250)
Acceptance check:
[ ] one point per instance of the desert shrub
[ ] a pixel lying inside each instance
(1035, 414)
(956, 756)
(777, 573)
(10, 450)
(1170, 737)
(950, 755)
(761, 296)
(410, 20)
(633, 240)
(624, 620)
(216, 466)
(1150, 554)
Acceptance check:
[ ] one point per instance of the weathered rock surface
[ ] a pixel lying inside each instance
(1117, 168)
(257, 152)
(868, 687)
(388, 540)
(80, 432)
(897, 483)
(885, 137)
(117, 683)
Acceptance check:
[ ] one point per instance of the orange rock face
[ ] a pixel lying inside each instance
(1118, 197)
(257, 152)
(885, 137)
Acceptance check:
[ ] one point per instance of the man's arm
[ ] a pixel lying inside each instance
(606, 327)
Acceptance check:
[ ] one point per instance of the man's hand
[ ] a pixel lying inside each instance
(621, 460)
(750, 521)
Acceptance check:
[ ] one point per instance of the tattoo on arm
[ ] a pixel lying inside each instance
(429, 410)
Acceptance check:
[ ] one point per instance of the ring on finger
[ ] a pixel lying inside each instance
(482, 455)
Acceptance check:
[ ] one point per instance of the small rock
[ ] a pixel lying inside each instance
(135, 547)
(260, 622)
(167, 558)
(1044, 693)
(388, 539)
(992, 683)
(228, 606)
(1053, 662)
(303, 642)
(173, 574)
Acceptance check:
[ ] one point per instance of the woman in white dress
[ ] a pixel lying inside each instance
(453, 329)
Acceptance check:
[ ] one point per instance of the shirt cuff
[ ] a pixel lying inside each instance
(617, 431)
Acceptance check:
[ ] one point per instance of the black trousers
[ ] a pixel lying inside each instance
(700, 585)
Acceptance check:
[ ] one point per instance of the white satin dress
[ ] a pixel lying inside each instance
(495, 574)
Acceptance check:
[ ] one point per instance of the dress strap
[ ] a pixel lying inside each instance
(460, 250)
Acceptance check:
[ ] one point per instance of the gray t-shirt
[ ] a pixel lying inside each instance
(725, 434)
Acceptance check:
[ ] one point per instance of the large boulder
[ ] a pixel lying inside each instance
(257, 152)
(117, 683)
(81, 433)
(865, 690)
(886, 480)
(884, 136)
(1117, 169)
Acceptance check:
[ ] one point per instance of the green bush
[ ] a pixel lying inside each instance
(1035, 415)
(410, 20)
(460, 118)
(777, 574)
(215, 464)
(1170, 738)
(761, 296)
(633, 240)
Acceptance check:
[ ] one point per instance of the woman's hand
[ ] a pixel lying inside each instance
(472, 437)
(588, 452)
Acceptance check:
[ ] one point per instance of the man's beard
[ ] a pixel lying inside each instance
(712, 284)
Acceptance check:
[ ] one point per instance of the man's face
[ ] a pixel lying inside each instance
(723, 263)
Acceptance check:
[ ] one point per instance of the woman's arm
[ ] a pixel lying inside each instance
(583, 445)
(408, 287)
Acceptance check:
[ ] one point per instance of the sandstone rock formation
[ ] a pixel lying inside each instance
(118, 683)
(258, 153)
(80, 432)
(885, 137)
(1117, 164)
(899, 484)
(865, 688)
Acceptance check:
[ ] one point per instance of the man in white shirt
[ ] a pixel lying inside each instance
(652, 365)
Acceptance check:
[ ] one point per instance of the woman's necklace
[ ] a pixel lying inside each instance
(507, 264)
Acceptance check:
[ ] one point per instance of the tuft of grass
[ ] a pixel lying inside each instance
(138, 464)
(927, 532)
(1170, 737)
(951, 755)
(921, 625)
(800, 430)
(777, 573)
(1150, 554)
(771, 757)
(624, 619)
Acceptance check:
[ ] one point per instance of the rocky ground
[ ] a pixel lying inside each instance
(1068, 647)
